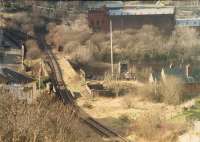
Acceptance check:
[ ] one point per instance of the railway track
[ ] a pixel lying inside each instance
(66, 96)
(62, 91)
(103, 130)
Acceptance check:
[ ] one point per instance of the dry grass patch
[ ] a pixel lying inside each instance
(152, 126)
(169, 91)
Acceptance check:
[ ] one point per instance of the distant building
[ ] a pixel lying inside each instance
(190, 75)
(188, 22)
(124, 18)
(23, 87)
(98, 19)
(99, 4)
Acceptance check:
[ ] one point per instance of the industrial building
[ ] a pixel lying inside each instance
(124, 18)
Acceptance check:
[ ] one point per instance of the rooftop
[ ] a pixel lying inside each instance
(142, 11)
(108, 4)
(180, 72)
(12, 77)
(188, 22)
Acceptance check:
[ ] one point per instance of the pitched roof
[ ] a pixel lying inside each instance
(180, 72)
(13, 77)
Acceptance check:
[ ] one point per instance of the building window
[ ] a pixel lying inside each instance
(97, 22)
(92, 24)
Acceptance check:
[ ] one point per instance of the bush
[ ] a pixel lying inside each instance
(116, 87)
(128, 102)
(124, 118)
(33, 50)
(147, 44)
(171, 90)
(88, 105)
(149, 92)
(143, 74)
(82, 55)
(152, 126)
(148, 124)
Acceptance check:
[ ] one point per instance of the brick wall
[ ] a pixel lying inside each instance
(192, 88)
(98, 19)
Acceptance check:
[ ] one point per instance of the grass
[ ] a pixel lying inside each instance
(191, 114)
(194, 112)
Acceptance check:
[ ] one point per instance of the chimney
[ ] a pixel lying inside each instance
(188, 70)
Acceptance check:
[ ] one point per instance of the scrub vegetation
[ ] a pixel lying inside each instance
(147, 44)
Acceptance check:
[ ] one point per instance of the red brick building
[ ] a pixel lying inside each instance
(98, 19)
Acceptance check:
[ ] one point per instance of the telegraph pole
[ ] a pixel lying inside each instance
(40, 71)
(22, 56)
(111, 49)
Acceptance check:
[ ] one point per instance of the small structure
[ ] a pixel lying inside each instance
(188, 74)
(98, 19)
(23, 87)
(10, 53)
(123, 67)
(13, 77)
(123, 71)
(97, 89)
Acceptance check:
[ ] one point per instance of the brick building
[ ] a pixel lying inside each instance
(98, 19)
(124, 18)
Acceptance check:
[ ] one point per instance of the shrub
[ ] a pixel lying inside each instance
(143, 74)
(149, 92)
(148, 124)
(128, 101)
(33, 51)
(88, 105)
(152, 126)
(169, 91)
(172, 90)
(124, 118)
(116, 87)
(82, 55)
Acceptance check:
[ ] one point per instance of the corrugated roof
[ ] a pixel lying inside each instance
(14, 77)
(145, 11)
(108, 4)
(194, 22)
